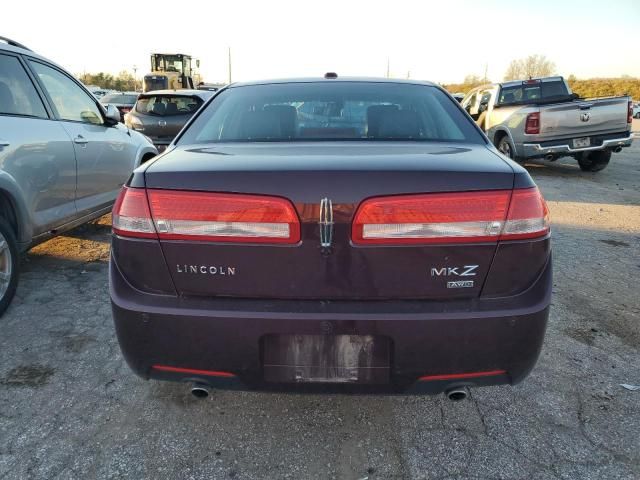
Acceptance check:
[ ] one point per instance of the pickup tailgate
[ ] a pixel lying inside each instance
(583, 118)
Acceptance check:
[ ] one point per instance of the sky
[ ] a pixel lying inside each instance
(437, 40)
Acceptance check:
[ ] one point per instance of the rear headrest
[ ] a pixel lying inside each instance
(374, 114)
(263, 124)
(171, 108)
(158, 108)
(288, 118)
(7, 102)
(400, 124)
(508, 97)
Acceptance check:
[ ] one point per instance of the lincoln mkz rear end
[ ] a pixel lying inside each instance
(331, 233)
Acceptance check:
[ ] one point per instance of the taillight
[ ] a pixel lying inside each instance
(532, 125)
(131, 215)
(528, 215)
(461, 217)
(630, 112)
(222, 217)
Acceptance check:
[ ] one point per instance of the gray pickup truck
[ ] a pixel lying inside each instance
(542, 118)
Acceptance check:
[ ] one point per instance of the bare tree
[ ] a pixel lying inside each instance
(531, 66)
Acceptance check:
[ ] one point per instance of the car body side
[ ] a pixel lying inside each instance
(32, 162)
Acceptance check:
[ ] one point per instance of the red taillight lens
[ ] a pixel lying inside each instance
(532, 126)
(630, 112)
(528, 215)
(131, 216)
(461, 217)
(431, 218)
(222, 217)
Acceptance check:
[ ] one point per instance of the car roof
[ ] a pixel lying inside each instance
(7, 47)
(327, 80)
(184, 92)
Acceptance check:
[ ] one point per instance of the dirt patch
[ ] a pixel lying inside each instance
(34, 375)
(615, 243)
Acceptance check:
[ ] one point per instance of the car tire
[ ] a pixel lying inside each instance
(506, 147)
(9, 265)
(594, 161)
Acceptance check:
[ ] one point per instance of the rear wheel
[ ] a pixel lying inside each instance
(8, 265)
(504, 145)
(594, 161)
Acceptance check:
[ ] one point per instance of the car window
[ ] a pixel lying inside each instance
(18, 96)
(70, 101)
(532, 90)
(326, 111)
(167, 105)
(119, 98)
(469, 102)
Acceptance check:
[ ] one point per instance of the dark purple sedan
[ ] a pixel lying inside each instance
(332, 234)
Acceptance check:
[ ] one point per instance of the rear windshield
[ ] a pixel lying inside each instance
(166, 105)
(330, 111)
(119, 98)
(533, 91)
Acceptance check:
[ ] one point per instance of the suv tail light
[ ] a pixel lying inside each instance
(218, 217)
(630, 112)
(532, 126)
(462, 217)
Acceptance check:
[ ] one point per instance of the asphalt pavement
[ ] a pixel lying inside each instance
(71, 409)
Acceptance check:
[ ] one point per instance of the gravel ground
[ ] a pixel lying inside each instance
(70, 407)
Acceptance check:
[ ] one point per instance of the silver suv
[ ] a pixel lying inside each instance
(63, 157)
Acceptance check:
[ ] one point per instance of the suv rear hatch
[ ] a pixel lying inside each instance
(327, 256)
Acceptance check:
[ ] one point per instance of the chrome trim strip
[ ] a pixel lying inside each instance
(614, 142)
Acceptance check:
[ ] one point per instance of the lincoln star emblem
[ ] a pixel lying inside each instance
(326, 223)
(585, 117)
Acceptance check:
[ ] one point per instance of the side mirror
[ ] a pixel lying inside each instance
(112, 113)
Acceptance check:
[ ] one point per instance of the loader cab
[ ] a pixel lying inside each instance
(169, 72)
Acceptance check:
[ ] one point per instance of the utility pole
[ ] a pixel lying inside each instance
(486, 68)
(229, 64)
(135, 81)
(387, 67)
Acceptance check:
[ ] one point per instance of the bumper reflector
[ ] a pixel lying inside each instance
(209, 373)
(462, 376)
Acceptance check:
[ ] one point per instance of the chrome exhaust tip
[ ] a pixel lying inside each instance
(550, 157)
(200, 390)
(617, 149)
(456, 394)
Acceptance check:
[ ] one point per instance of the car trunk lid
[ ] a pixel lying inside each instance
(341, 175)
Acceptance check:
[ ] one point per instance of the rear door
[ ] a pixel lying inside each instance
(105, 154)
(35, 150)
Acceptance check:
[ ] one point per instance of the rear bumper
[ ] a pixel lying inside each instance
(564, 147)
(434, 346)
